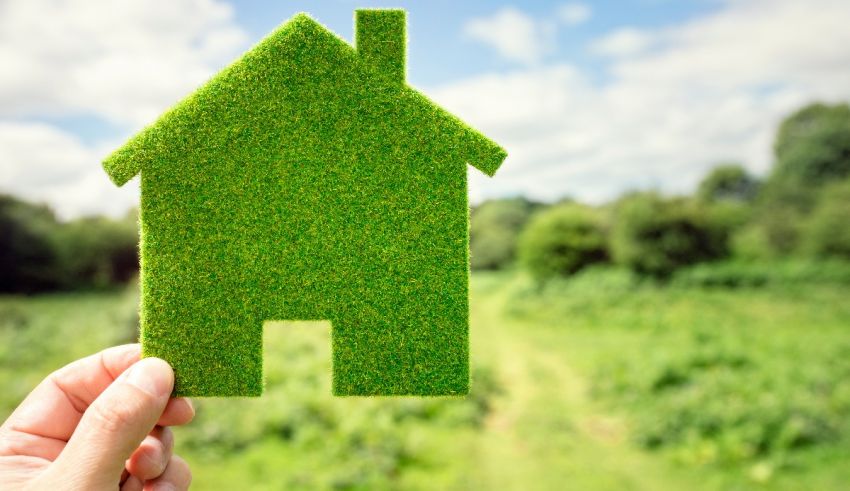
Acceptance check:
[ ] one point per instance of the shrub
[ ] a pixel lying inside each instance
(654, 236)
(28, 254)
(711, 401)
(98, 252)
(775, 232)
(729, 182)
(494, 228)
(813, 145)
(734, 274)
(562, 240)
(39, 253)
(826, 234)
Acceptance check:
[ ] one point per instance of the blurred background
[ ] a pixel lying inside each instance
(661, 269)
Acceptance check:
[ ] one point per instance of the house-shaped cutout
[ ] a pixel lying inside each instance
(308, 181)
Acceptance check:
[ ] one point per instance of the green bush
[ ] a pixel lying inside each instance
(728, 182)
(774, 233)
(826, 233)
(28, 252)
(98, 252)
(813, 145)
(562, 240)
(494, 228)
(735, 273)
(722, 403)
(38, 253)
(655, 236)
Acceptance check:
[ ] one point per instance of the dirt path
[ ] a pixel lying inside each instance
(544, 432)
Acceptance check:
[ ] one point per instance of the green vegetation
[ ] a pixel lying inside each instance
(39, 253)
(827, 233)
(813, 145)
(747, 382)
(602, 380)
(306, 181)
(494, 229)
(799, 210)
(728, 182)
(562, 240)
(655, 236)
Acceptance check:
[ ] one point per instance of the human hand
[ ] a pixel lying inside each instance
(99, 423)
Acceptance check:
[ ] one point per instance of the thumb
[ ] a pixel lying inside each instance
(115, 424)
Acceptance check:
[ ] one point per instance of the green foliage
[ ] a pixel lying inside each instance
(813, 145)
(725, 401)
(736, 379)
(812, 149)
(99, 252)
(39, 253)
(561, 240)
(741, 274)
(39, 334)
(28, 255)
(774, 232)
(602, 379)
(655, 236)
(728, 182)
(711, 416)
(827, 231)
(302, 182)
(494, 228)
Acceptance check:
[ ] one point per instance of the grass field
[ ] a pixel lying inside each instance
(600, 382)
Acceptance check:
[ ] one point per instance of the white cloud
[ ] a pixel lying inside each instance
(627, 41)
(519, 37)
(44, 164)
(125, 60)
(709, 90)
(121, 61)
(574, 13)
(513, 34)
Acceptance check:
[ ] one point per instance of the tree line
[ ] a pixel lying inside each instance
(39, 253)
(801, 208)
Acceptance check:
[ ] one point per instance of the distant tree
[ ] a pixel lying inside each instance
(99, 252)
(39, 253)
(561, 240)
(775, 232)
(812, 149)
(728, 182)
(826, 233)
(28, 253)
(813, 145)
(494, 228)
(655, 236)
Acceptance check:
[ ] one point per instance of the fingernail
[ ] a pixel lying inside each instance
(189, 403)
(153, 376)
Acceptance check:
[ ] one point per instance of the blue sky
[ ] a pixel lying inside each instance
(590, 99)
(439, 51)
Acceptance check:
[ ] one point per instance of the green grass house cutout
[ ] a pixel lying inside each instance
(308, 181)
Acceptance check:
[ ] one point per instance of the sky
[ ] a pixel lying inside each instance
(590, 99)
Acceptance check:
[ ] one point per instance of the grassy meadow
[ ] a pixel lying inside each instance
(601, 381)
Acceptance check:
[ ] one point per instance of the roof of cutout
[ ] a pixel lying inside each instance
(306, 41)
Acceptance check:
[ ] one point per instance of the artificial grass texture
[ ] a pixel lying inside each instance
(308, 181)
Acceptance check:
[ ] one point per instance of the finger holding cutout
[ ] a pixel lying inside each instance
(151, 458)
(179, 411)
(177, 476)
